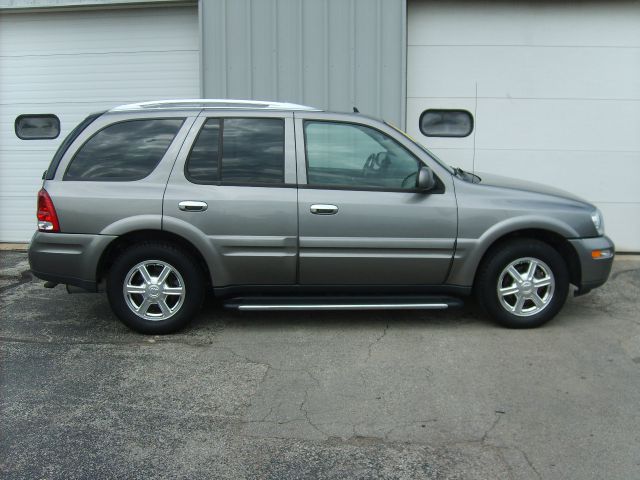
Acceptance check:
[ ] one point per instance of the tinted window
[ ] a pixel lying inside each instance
(66, 143)
(253, 150)
(37, 127)
(124, 151)
(202, 165)
(446, 123)
(349, 155)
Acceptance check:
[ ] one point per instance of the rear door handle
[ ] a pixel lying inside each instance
(321, 209)
(192, 206)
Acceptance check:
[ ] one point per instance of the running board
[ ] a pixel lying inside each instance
(343, 303)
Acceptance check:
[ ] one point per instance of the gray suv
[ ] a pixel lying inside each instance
(274, 206)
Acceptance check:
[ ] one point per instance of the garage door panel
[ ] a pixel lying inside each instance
(18, 218)
(415, 108)
(558, 94)
(63, 63)
(69, 114)
(22, 171)
(611, 175)
(63, 33)
(558, 124)
(524, 72)
(86, 76)
(456, 151)
(620, 222)
(534, 23)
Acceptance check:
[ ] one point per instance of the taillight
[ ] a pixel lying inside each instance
(47, 216)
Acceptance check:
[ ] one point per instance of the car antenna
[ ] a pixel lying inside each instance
(355, 110)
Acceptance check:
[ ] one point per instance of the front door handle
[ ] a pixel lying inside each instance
(192, 206)
(321, 209)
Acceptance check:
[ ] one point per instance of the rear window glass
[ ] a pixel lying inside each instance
(124, 151)
(252, 152)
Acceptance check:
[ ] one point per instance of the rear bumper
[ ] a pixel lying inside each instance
(594, 272)
(71, 259)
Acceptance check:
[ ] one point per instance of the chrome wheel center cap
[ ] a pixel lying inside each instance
(527, 288)
(154, 291)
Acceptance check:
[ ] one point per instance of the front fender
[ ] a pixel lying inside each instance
(470, 251)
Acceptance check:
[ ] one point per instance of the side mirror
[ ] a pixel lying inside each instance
(425, 181)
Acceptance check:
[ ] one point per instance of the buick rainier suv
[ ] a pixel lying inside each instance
(275, 206)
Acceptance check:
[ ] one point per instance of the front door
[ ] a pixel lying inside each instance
(362, 221)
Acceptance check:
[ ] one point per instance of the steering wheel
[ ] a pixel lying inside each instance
(375, 164)
(405, 182)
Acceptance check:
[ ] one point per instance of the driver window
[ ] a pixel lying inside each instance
(350, 155)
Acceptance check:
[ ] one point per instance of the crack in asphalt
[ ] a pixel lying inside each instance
(378, 339)
(306, 414)
(301, 408)
(490, 429)
(25, 277)
(499, 449)
(526, 457)
(629, 270)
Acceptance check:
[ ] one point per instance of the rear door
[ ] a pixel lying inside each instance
(361, 220)
(233, 190)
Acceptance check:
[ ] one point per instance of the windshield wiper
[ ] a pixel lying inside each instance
(472, 177)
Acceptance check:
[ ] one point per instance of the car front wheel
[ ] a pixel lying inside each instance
(523, 283)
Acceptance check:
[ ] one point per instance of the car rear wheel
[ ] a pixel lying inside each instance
(155, 288)
(523, 283)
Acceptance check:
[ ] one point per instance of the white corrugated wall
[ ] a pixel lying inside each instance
(72, 63)
(558, 95)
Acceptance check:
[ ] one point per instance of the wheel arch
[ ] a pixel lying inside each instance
(551, 238)
(471, 250)
(122, 242)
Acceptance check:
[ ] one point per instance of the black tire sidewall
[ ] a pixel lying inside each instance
(493, 265)
(187, 267)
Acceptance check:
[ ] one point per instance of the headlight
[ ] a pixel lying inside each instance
(598, 222)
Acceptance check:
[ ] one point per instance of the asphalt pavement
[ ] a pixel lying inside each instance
(397, 395)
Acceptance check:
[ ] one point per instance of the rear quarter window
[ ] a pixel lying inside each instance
(124, 151)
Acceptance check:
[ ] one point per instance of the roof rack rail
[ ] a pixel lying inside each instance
(222, 104)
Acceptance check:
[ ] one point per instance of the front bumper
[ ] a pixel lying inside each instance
(593, 271)
(66, 258)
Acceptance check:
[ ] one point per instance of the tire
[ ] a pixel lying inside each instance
(533, 299)
(144, 300)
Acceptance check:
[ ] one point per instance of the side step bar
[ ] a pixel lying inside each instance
(343, 303)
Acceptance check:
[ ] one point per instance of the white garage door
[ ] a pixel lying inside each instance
(72, 64)
(554, 89)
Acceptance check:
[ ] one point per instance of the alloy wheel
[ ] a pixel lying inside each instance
(154, 290)
(526, 286)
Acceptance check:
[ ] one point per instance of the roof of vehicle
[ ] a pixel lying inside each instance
(213, 104)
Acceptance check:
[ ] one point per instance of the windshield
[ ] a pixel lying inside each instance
(421, 147)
